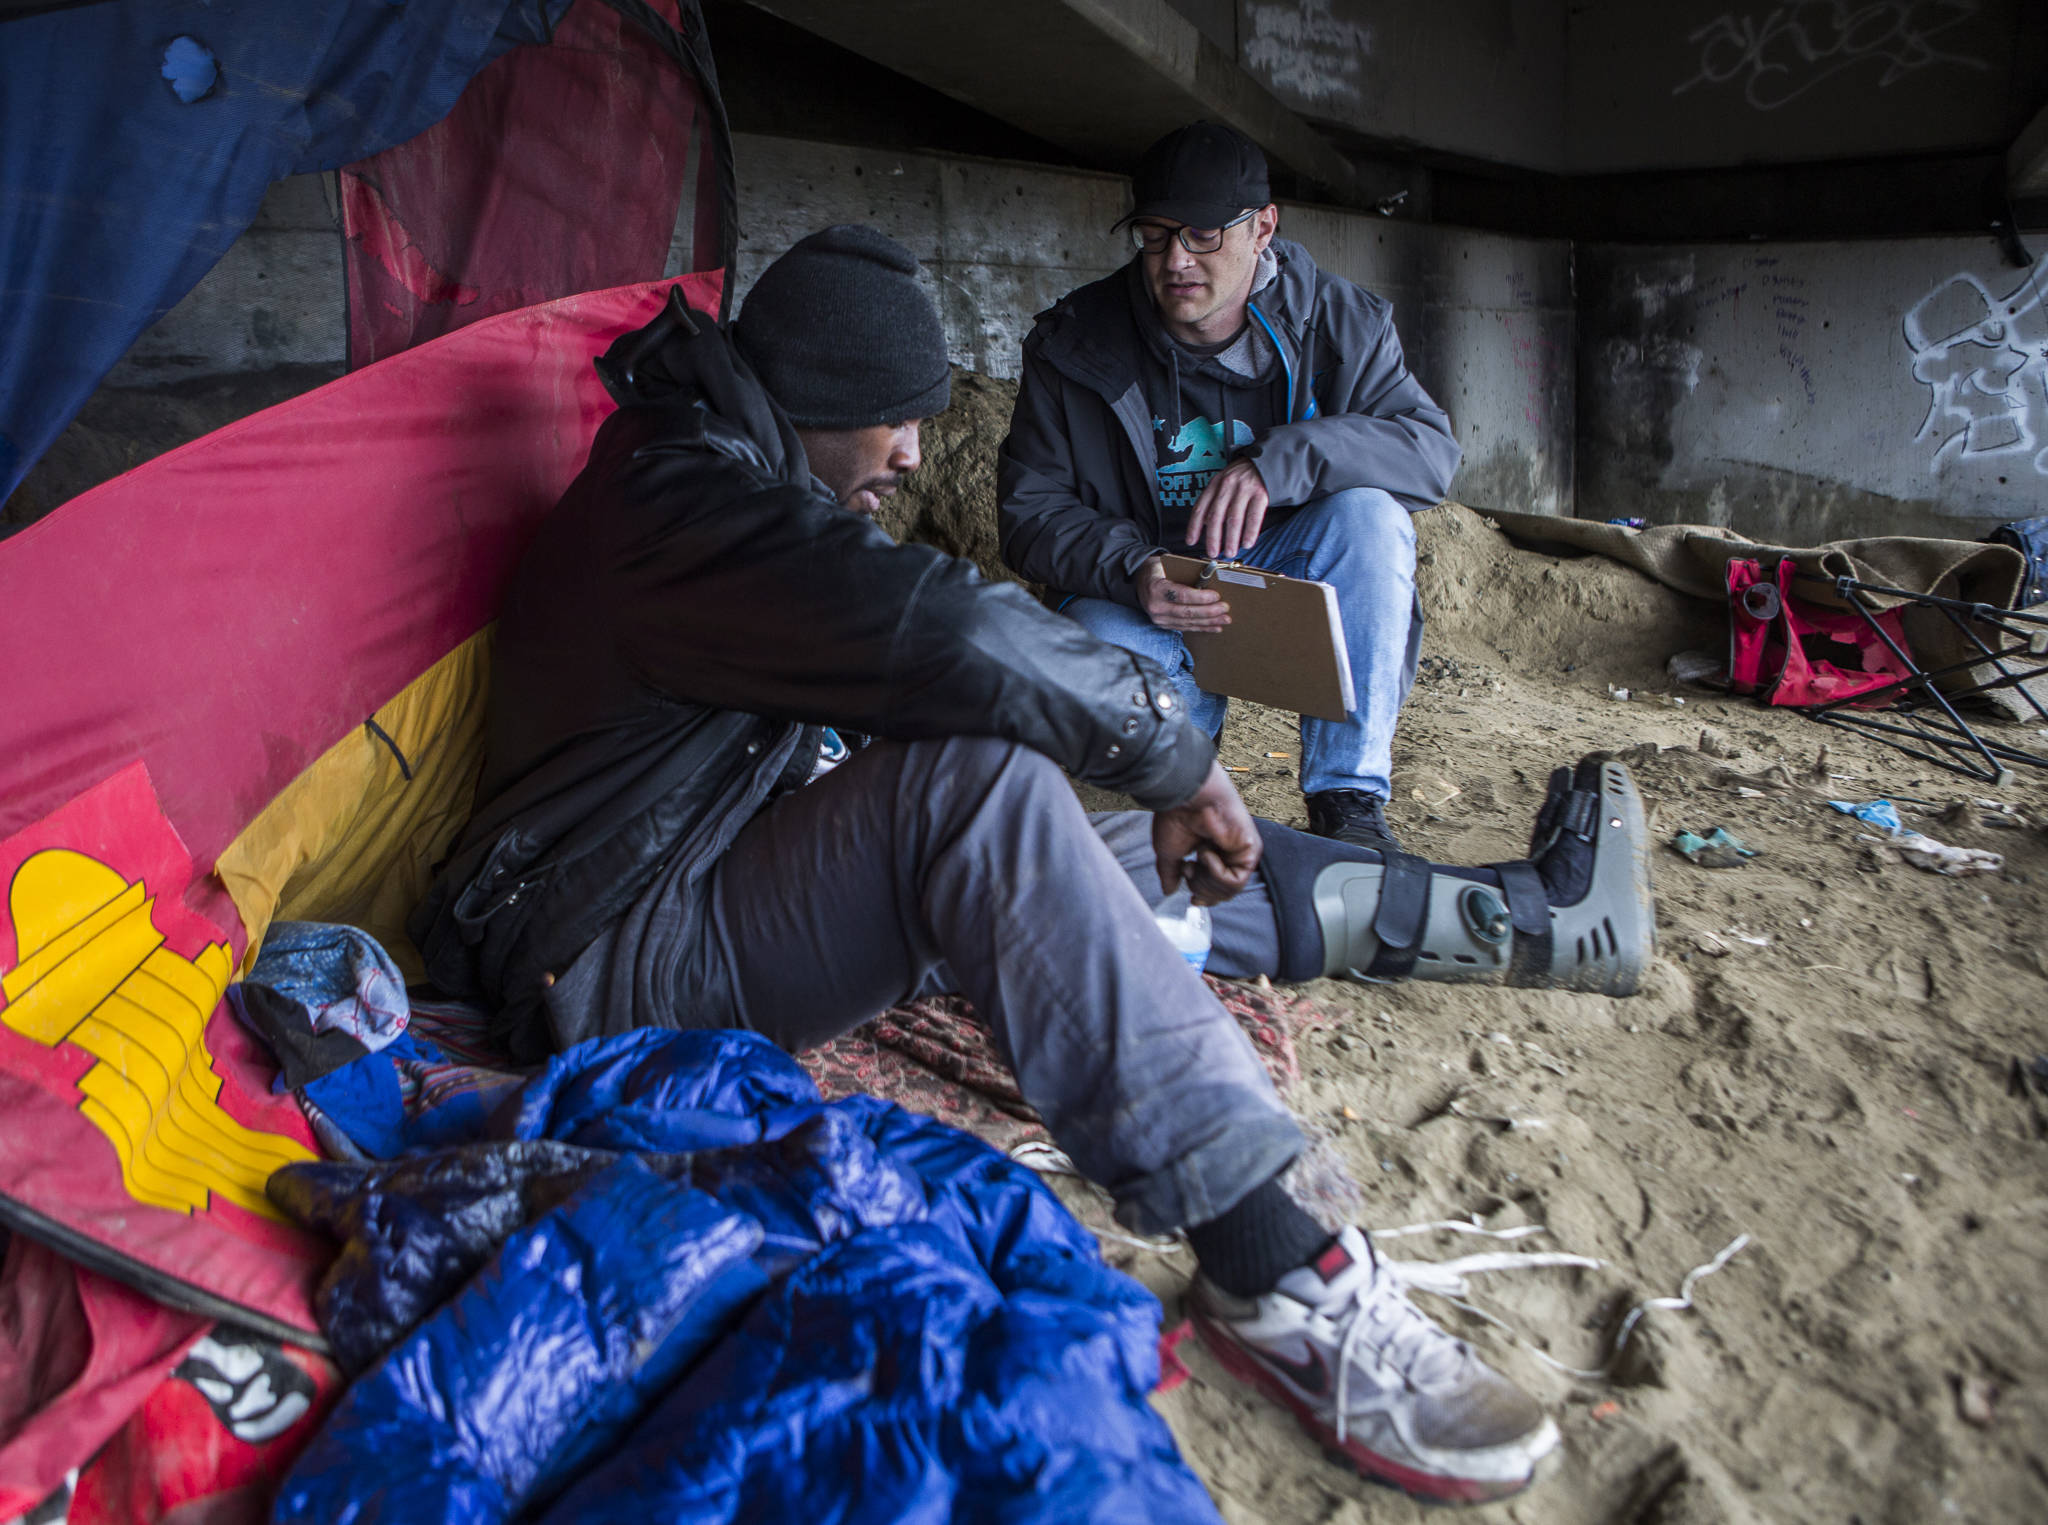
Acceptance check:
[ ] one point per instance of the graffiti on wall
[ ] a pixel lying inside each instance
(1777, 55)
(1304, 49)
(1983, 357)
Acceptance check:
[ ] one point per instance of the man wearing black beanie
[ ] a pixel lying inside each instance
(682, 823)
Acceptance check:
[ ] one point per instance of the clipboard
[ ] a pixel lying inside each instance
(1284, 645)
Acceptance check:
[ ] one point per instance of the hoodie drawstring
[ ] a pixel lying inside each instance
(1179, 423)
(1308, 370)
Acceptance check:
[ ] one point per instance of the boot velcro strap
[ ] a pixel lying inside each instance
(1581, 814)
(1528, 901)
(1529, 911)
(1404, 900)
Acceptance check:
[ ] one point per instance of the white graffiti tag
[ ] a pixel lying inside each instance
(1303, 47)
(1784, 53)
(1984, 360)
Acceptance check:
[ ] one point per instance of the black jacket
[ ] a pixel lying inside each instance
(691, 608)
(1079, 498)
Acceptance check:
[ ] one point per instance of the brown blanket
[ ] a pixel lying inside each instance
(1693, 558)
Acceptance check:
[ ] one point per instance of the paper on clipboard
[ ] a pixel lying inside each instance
(1284, 645)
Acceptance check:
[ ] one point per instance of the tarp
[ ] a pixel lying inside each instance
(138, 136)
(181, 643)
(661, 1281)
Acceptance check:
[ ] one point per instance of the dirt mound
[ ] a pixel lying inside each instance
(950, 502)
(1822, 1058)
(1485, 597)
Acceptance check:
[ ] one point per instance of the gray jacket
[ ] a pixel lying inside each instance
(1079, 506)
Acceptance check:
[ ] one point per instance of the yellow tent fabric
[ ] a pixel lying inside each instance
(352, 838)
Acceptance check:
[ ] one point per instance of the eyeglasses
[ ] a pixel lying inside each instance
(1152, 238)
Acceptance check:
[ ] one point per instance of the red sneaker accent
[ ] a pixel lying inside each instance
(1333, 1260)
(1172, 1369)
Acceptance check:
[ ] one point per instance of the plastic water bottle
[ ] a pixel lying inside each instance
(1186, 926)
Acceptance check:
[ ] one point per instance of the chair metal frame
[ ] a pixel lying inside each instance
(1921, 718)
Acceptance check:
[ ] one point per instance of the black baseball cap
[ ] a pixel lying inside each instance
(1203, 174)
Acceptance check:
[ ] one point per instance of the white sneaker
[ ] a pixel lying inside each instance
(1375, 1380)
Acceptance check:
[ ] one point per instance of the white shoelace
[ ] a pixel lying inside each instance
(1406, 1339)
(1391, 1279)
(1446, 1279)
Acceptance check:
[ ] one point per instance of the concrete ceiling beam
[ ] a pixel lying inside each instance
(1101, 78)
(2026, 162)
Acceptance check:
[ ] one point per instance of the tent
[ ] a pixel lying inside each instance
(248, 675)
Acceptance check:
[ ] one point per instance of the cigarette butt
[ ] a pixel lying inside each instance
(1280, 754)
(1227, 768)
(1349, 1115)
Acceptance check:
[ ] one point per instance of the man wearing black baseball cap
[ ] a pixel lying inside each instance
(1222, 392)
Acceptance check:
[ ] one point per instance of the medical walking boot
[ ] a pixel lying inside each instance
(1576, 914)
(1384, 1389)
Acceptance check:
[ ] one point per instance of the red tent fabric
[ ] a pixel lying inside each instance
(182, 642)
(560, 170)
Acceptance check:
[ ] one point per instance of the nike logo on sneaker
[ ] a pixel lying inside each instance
(1311, 1376)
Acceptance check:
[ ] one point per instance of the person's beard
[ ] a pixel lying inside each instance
(866, 499)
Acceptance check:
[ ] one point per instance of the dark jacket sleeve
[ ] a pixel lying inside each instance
(1378, 427)
(782, 604)
(1048, 533)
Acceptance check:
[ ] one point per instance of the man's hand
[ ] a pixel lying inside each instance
(1231, 510)
(1209, 843)
(1171, 607)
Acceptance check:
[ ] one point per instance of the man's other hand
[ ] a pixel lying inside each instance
(1171, 607)
(1230, 511)
(1208, 843)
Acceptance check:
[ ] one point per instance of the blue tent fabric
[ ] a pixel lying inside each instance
(137, 138)
(664, 1280)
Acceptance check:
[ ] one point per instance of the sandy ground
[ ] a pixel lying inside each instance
(1821, 1058)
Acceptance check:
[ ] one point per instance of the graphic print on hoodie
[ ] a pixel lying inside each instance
(1192, 456)
(1207, 402)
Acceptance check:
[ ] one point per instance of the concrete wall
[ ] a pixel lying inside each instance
(998, 241)
(1723, 82)
(1484, 78)
(1608, 85)
(1487, 321)
(1812, 391)
(275, 299)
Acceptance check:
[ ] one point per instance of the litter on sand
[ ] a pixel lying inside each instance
(1698, 667)
(1881, 813)
(1936, 857)
(1719, 848)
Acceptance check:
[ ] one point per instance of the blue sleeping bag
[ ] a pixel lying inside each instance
(665, 1281)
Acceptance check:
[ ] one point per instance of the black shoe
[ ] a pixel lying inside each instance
(1351, 815)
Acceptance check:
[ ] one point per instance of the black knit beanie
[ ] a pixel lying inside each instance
(842, 335)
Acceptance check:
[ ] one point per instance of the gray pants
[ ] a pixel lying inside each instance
(967, 864)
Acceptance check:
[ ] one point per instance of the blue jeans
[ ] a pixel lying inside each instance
(1362, 542)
